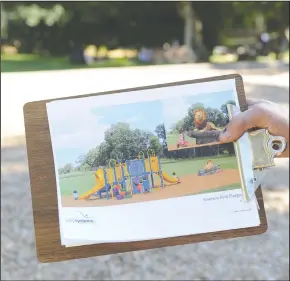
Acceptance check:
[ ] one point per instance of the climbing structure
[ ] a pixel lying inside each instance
(140, 173)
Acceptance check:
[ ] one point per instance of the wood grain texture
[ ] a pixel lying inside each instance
(44, 191)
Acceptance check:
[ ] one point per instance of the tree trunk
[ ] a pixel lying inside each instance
(4, 23)
(192, 37)
(188, 24)
(260, 23)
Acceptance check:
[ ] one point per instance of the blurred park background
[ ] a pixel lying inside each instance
(61, 35)
(57, 49)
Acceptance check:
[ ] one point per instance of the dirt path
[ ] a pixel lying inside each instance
(191, 184)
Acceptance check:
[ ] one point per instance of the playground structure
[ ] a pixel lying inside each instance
(123, 180)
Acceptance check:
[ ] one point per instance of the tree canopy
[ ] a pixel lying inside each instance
(120, 143)
(53, 26)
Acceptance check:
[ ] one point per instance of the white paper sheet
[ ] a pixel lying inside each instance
(193, 214)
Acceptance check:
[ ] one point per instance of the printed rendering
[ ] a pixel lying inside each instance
(122, 154)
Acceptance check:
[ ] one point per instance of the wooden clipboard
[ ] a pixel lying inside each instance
(44, 190)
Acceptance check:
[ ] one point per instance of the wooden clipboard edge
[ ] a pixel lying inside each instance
(44, 194)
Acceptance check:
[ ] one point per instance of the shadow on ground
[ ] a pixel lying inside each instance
(264, 257)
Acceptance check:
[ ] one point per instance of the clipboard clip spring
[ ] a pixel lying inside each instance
(265, 147)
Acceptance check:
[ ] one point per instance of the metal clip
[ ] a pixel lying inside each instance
(264, 148)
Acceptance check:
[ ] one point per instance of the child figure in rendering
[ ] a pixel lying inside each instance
(181, 140)
(181, 137)
(139, 185)
(175, 176)
(118, 186)
(209, 165)
(75, 195)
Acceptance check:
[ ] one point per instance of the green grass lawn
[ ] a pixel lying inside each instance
(191, 166)
(84, 181)
(25, 62)
(172, 139)
(31, 62)
(81, 181)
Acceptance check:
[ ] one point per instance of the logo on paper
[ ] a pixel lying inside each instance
(84, 215)
(83, 219)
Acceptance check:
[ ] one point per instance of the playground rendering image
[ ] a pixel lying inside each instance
(117, 154)
(145, 179)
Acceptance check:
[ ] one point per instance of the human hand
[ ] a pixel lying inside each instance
(261, 114)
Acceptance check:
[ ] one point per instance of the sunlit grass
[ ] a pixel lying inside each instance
(30, 62)
(223, 58)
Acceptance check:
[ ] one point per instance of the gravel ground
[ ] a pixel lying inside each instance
(264, 257)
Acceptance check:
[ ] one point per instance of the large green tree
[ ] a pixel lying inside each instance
(123, 143)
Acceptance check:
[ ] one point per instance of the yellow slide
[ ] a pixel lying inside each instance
(155, 168)
(169, 179)
(100, 184)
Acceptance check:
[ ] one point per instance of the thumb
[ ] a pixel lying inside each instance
(238, 125)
